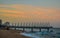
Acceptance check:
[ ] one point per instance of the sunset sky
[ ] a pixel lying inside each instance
(30, 11)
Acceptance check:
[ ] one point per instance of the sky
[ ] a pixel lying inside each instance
(30, 11)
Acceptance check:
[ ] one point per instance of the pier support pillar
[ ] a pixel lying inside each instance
(15, 28)
(48, 30)
(31, 29)
(39, 30)
(23, 29)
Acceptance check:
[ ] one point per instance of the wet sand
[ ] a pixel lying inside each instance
(11, 34)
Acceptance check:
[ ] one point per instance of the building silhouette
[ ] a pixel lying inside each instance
(0, 22)
(6, 23)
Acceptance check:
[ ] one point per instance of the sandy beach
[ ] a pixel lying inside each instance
(11, 34)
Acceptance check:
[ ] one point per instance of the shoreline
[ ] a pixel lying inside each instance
(11, 34)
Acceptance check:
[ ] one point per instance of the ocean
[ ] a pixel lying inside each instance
(53, 33)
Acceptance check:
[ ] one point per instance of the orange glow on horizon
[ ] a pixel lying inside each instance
(30, 12)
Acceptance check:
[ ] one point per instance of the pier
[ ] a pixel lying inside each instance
(24, 26)
(32, 28)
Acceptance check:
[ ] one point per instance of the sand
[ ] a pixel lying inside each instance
(11, 34)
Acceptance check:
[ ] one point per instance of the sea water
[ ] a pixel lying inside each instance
(43, 34)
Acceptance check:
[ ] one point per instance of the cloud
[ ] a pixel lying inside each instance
(26, 12)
